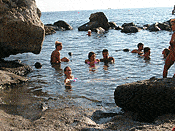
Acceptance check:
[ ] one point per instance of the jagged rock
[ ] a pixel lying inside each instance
(147, 98)
(153, 27)
(63, 24)
(49, 30)
(97, 19)
(21, 27)
(13, 72)
(112, 25)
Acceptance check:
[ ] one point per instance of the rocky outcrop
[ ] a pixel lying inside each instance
(159, 26)
(12, 73)
(63, 24)
(148, 98)
(130, 28)
(21, 27)
(97, 19)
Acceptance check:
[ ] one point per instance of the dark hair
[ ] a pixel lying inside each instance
(65, 68)
(139, 44)
(57, 43)
(90, 54)
(104, 50)
(146, 49)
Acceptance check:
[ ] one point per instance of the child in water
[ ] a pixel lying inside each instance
(69, 77)
(92, 59)
(55, 56)
(106, 57)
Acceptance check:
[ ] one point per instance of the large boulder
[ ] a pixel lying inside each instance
(63, 24)
(21, 27)
(147, 98)
(97, 19)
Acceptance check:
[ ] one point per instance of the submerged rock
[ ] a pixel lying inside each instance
(21, 27)
(148, 98)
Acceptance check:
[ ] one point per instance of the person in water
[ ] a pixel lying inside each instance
(69, 77)
(92, 59)
(106, 57)
(165, 53)
(89, 33)
(139, 50)
(55, 56)
(171, 57)
(146, 54)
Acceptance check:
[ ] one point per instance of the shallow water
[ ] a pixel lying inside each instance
(95, 87)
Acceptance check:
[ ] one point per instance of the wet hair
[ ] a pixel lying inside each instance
(146, 49)
(57, 43)
(65, 68)
(139, 44)
(104, 50)
(90, 54)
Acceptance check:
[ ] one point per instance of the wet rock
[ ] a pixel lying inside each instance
(63, 24)
(49, 30)
(147, 98)
(13, 72)
(38, 65)
(97, 19)
(21, 27)
(130, 29)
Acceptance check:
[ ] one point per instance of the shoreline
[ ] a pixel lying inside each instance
(78, 118)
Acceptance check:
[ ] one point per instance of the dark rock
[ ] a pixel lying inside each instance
(126, 50)
(164, 26)
(49, 30)
(153, 27)
(70, 53)
(21, 27)
(112, 25)
(147, 98)
(130, 29)
(97, 19)
(38, 65)
(63, 24)
(128, 24)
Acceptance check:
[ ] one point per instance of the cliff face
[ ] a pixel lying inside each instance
(21, 29)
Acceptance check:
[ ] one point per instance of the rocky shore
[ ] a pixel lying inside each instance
(77, 118)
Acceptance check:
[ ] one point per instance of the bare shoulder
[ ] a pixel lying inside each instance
(134, 51)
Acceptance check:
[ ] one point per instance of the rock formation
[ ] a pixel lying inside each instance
(21, 27)
(148, 98)
(97, 19)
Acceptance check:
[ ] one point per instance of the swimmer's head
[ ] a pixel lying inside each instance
(90, 54)
(57, 43)
(146, 49)
(140, 44)
(67, 70)
(89, 30)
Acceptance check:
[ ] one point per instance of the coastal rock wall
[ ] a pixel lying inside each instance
(147, 98)
(21, 27)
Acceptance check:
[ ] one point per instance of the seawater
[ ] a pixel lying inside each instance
(95, 87)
